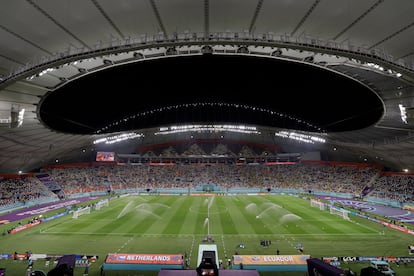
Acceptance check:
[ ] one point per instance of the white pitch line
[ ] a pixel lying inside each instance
(364, 226)
(202, 235)
(191, 248)
(224, 246)
(119, 249)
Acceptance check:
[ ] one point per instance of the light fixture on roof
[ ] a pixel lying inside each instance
(107, 62)
(301, 137)
(407, 114)
(118, 138)
(207, 128)
(403, 113)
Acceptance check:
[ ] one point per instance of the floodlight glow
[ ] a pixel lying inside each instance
(20, 118)
(382, 69)
(403, 113)
(300, 137)
(240, 107)
(207, 128)
(118, 138)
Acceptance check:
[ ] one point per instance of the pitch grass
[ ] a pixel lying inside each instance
(177, 225)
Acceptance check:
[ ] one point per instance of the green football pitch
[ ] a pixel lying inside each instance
(178, 224)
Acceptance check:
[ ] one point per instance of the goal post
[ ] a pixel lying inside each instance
(101, 203)
(318, 204)
(339, 211)
(81, 211)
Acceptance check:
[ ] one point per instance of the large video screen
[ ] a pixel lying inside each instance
(105, 156)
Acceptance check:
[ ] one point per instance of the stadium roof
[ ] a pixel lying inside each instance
(82, 70)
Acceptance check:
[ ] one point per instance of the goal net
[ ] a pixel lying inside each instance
(339, 211)
(318, 204)
(101, 203)
(82, 211)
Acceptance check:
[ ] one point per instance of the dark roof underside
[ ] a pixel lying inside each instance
(211, 88)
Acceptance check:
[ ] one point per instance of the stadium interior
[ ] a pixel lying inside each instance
(315, 67)
(116, 103)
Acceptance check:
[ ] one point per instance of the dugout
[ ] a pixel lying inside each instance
(271, 263)
(65, 266)
(145, 262)
(317, 267)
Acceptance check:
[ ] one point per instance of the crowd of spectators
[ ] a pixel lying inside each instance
(24, 189)
(300, 176)
(394, 187)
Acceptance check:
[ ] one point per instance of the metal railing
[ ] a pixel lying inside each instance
(145, 41)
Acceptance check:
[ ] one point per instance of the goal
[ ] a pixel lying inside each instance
(318, 204)
(82, 211)
(339, 211)
(101, 203)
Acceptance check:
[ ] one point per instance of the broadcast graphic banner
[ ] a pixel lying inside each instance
(144, 259)
(24, 226)
(270, 259)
